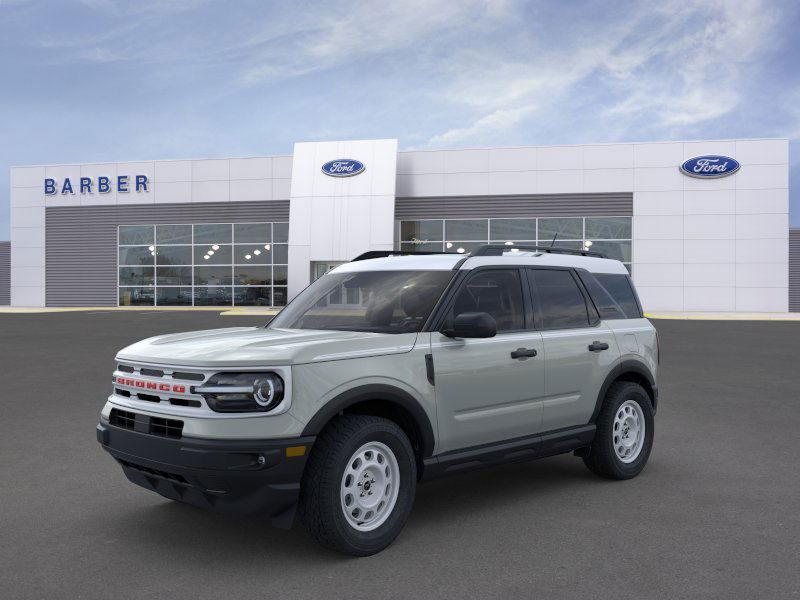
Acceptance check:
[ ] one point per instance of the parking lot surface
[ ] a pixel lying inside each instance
(716, 513)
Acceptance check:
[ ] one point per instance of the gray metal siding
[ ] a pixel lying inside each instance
(546, 205)
(5, 273)
(82, 241)
(794, 270)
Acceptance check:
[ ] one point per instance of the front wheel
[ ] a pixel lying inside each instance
(359, 484)
(624, 435)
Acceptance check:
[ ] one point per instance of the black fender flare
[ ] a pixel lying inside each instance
(623, 368)
(381, 392)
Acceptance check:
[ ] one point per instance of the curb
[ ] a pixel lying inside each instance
(723, 317)
(72, 309)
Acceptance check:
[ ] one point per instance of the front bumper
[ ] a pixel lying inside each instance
(251, 477)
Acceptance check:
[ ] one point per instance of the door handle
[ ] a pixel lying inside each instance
(598, 346)
(523, 353)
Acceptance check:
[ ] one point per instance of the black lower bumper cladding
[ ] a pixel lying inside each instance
(250, 477)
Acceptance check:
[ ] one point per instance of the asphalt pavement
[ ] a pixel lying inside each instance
(716, 513)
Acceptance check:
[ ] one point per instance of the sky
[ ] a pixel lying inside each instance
(96, 80)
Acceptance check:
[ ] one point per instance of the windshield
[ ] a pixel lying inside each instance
(376, 301)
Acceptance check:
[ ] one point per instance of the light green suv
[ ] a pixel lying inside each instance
(389, 370)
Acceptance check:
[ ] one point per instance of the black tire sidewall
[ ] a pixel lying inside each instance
(637, 394)
(370, 541)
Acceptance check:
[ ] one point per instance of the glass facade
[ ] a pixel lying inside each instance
(608, 235)
(215, 264)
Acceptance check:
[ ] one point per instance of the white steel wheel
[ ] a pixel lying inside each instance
(370, 486)
(629, 431)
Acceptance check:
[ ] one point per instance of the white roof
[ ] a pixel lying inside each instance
(446, 262)
(427, 262)
(590, 263)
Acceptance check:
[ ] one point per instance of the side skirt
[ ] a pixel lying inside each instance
(525, 448)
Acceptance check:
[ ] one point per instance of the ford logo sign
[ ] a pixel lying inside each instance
(712, 165)
(343, 167)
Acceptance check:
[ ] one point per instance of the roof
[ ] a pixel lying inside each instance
(446, 262)
(428, 262)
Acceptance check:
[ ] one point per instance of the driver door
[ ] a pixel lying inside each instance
(483, 394)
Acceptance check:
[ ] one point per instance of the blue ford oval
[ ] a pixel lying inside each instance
(709, 166)
(343, 167)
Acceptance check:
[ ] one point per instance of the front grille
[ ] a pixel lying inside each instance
(185, 402)
(171, 428)
(157, 472)
(160, 385)
(122, 418)
(187, 376)
(151, 372)
(148, 397)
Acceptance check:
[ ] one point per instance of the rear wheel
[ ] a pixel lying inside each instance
(624, 435)
(359, 484)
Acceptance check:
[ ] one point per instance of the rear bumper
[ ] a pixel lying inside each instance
(252, 477)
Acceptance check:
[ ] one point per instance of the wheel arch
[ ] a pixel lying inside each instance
(384, 401)
(628, 370)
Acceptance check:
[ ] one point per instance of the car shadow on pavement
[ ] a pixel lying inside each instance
(188, 533)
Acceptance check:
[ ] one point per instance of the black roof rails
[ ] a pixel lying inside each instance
(500, 249)
(485, 250)
(386, 253)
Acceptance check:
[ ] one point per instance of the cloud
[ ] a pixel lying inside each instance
(696, 73)
(499, 119)
(324, 40)
(673, 64)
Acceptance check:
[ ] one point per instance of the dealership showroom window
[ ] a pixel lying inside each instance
(203, 265)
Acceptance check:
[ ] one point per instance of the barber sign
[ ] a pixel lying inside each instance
(343, 167)
(710, 166)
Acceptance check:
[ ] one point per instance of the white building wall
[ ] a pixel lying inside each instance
(27, 236)
(698, 244)
(335, 218)
(169, 181)
(712, 244)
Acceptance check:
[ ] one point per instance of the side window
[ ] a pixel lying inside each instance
(560, 301)
(606, 305)
(497, 292)
(620, 289)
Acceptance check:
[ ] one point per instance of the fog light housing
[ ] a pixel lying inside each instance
(243, 392)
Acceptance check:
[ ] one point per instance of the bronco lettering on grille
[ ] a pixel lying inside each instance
(150, 385)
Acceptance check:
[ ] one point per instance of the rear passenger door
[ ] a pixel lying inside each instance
(490, 389)
(579, 350)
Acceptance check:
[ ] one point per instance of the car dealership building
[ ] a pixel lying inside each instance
(701, 225)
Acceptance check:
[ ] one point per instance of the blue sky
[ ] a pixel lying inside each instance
(96, 80)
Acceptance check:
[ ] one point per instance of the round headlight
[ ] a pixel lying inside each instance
(268, 391)
(264, 392)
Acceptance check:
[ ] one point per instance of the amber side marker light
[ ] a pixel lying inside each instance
(292, 451)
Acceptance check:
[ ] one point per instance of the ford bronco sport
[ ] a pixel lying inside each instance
(390, 370)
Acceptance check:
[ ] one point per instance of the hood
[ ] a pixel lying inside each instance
(256, 346)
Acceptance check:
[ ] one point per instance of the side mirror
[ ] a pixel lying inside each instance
(472, 325)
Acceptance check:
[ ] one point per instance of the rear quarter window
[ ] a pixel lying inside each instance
(620, 288)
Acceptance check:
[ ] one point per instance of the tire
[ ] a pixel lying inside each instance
(613, 454)
(325, 486)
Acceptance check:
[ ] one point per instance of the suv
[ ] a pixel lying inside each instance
(389, 370)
